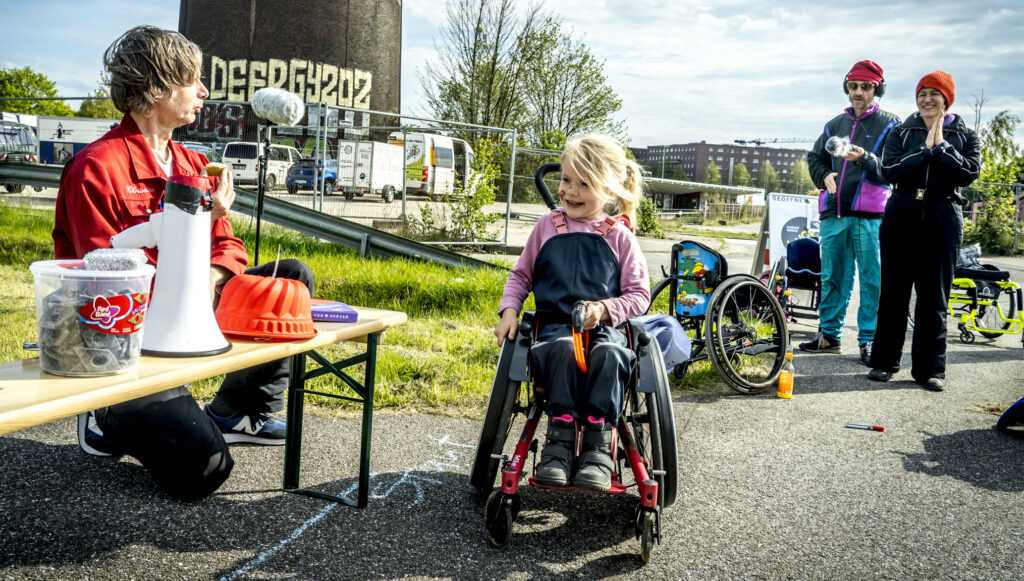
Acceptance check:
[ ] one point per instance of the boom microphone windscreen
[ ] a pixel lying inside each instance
(278, 106)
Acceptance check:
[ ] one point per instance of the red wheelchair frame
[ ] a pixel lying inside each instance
(646, 433)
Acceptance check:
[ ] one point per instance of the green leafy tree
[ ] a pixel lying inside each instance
(800, 181)
(740, 175)
(484, 54)
(647, 220)
(712, 175)
(566, 89)
(1002, 163)
(25, 82)
(1001, 158)
(769, 179)
(99, 106)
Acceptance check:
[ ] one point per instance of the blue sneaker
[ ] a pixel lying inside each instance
(262, 429)
(91, 438)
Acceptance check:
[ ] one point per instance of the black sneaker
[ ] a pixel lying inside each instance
(262, 429)
(559, 451)
(865, 354)
(879, 375)
(821, 344)
(91, 438)
(596, 465)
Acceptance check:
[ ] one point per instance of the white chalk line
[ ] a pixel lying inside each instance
(433, 466)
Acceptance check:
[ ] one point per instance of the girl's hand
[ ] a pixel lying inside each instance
(596, 312)
(507, 326)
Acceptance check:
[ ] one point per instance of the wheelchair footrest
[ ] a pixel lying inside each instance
(617, 486)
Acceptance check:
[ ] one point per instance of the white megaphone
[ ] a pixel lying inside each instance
(179, 321)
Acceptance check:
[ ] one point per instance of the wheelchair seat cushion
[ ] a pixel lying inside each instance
(804, 256)
(986, 272)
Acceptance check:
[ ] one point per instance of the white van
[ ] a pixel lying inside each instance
(243, 159)
(434, 164)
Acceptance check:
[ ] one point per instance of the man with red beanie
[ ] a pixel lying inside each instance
(853, 196)
(927, 158)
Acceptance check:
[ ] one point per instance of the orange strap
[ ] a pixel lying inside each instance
(580, 343)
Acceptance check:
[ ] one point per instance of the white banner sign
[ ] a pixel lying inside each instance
(790, 217)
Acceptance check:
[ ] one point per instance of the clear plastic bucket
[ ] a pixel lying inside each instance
(90, 321)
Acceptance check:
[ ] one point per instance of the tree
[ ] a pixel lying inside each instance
(484, 56)
(25, 82)
(522, 71)
(769, 179)
(1001, 159)
(712, 175)
(99, 106)
(800, 181)
(566, 89)
(740, 175)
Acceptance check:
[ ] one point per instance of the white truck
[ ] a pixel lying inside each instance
(62, 137)
(370, 167)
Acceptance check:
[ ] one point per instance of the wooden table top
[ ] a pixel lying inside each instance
(29, 396)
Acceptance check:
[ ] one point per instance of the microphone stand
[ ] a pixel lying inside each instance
(261, 187)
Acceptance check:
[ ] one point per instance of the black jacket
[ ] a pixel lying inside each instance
(862, 191)
(940, 171)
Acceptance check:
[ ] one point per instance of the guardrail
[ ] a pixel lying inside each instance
(368, 241)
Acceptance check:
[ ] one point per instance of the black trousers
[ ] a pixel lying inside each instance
(919, 242)
(600, 394)
(173, 437)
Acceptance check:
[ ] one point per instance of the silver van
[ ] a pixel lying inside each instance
(243, 159)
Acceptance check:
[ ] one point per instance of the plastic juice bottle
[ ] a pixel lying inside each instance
(786, 376)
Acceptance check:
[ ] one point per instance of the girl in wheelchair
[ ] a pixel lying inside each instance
(580, 254)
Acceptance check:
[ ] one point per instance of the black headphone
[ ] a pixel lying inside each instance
(879, 90)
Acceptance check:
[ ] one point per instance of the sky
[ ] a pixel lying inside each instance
(686, 71)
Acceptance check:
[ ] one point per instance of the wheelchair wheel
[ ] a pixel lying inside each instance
(497, 421)
(653, 426)
(990, 318)
(746, 334)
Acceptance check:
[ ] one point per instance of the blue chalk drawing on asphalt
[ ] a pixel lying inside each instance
(448, 461)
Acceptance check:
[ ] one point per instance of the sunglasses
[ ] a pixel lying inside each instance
(865, 86)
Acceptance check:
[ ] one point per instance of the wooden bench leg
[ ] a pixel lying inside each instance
(296, 397)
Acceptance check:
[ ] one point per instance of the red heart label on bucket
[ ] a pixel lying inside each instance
(116, 315)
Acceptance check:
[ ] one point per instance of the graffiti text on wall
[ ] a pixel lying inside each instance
(218, 121)
(238, 79)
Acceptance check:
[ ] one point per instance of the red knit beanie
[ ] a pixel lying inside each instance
(942, 82)
(866, 71)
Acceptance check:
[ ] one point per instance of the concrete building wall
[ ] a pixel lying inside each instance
(694, 158)
(339, 52)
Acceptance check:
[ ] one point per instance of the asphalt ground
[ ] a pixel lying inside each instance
(768, 489)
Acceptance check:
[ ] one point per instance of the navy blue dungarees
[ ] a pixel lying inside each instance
(571, 267)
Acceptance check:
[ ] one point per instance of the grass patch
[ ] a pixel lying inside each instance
(441, 362)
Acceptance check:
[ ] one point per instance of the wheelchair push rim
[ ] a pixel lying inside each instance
(746, 334)
(497, 423)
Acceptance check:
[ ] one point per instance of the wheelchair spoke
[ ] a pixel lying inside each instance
(747, 335)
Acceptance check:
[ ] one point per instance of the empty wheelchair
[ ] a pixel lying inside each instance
(984, 299)
(736, 321)
(800, 269)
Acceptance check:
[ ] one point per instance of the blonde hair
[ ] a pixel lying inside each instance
(147, 60)
(601, 162)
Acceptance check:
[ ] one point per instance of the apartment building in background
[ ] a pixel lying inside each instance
(694, 159)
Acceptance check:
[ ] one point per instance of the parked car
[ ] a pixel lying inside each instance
(207, 149)
(300, 176)
(17, 145)
(243, 158)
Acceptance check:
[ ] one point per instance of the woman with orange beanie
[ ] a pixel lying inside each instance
(927, 159)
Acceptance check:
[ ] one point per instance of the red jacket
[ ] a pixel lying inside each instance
(114, 184)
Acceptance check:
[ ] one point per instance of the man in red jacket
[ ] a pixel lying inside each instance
(117, 182)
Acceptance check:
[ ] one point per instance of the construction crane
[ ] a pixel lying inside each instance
(760, 141)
